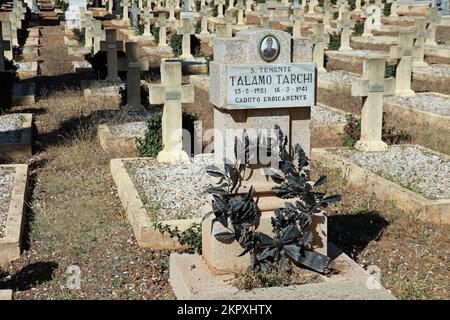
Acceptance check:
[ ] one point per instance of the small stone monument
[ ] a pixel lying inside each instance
(320, 39)
(111, 46)
(133, 78)
(4, 46)
(186, 29)
(346, 25)
(220, 4)
(394, 9)
(298, 19)
(205, 13)
(88, 28)
(230, 20)
(135, 13)
(98, 34)
(403, 52)
(373, 86)
(125, 8)
(433, 19)
(148, 15)
(162, 25)
(172, 94)
(419, 43)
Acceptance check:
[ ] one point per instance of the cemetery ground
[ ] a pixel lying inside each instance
(75, 216)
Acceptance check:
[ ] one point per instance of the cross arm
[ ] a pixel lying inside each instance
(157, 93)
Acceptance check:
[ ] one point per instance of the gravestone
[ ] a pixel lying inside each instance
(320, 39)
(133, 78)
(433, 20)
(263, 15)
(229, 21)
(357, 9)
(298, 20)
(172, 94)
(373, 86)
(205, 13)
(346, 25)
(419, 43)
(162, 25)
(220, 4)
(343, 7)
(4, 46)
(111, 46)
(98, 34)
(186, 29)
(72, 13)
(7, 50)
(125, 7)
(394, 9)
(135, 13)
(404, 53)
(374, 11)
(240, 15)
(148, 15)
(327, 9)
(171, 4)
(254, 86)
(248, 6)
(88, 29)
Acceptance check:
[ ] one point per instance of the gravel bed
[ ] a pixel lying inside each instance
(6, 185)
(325, 115)
(130, 129)
(11, 128)
(171, 191)
(436, 68)
(426, 102)
(422, 172)
(359, 53)
(337, 76)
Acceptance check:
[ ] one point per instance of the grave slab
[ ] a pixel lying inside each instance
(101, 88)
(351, 61)
(377, 43)
(437, 54)
(122, 142)
(436, 211)
(27, 70)
(191, 279)
(433, 78)
(17, 144)
(30, 53)
(146, 235)
(11, 241)
(427, 109)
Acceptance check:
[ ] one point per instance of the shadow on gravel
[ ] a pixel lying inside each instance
(353, 232)
(29, 276)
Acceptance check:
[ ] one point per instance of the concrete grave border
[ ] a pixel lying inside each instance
(430, 82)
(10, 244)
(6, 294)
(24, 147)
(111, 143)
(191, 279)
(436, 211)
(146, 235)
(420, 117)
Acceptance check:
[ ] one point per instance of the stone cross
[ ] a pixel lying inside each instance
(373, 86)
(374, 12)
(320, 39)
(125, 6)
(263, 15)
(248, 6)
(311, 6)
(14, 23)
(298, 20)
(135, 12)
(230, 5)
(98, 34)
(326, 15)
(162, 24)
(110, 6)
(205, 13)
(172, 94)
(133, 77)
(433, 19)
(148, 15)
(186, 29)
(404, 53)
(229, 21)
(240, 16)
(220, 4)
(171, 4)
(419, 43)
(88, 27)
(7, 49)
(111, 46)
(5, 45)
(394, 9)
(343, 6)
(357, 9)
(346, 25)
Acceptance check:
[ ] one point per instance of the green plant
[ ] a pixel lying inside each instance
(359, 28)
(387, 9)
(335, 42)
(390, 70)
(352, 131)
(151, 144)
(191, 237)
(335, 15)
(79, 35)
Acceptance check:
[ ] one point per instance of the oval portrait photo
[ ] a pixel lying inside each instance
(269, 48)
